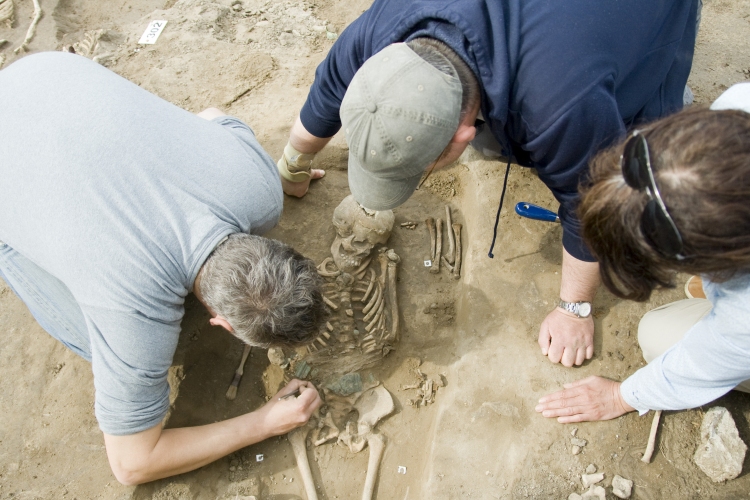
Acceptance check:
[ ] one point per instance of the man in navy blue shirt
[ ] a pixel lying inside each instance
(552, 82)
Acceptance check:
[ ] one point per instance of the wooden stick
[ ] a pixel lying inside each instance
(651, 438)
(32, 27)
(232, 391)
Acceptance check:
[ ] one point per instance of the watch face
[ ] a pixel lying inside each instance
(584, 309)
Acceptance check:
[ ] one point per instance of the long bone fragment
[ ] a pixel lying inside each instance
(32, 28)
(451, 256)
(376, 442)
(431, 228)
(651, 438)
(393, 260)
(377, 317)
(297, 439)
(457, 268)
(435, 269)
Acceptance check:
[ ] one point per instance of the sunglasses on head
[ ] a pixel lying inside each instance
(656, 223)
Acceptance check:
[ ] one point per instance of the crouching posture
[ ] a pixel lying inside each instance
(116, 205)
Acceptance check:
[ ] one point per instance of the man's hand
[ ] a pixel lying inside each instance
(299, 189)
(280, 416)
(593, 398)
(566, 338)
(156, 453)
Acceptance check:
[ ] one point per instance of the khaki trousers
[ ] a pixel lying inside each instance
(664, 326)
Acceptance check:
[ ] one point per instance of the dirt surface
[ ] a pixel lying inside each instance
(481, 438)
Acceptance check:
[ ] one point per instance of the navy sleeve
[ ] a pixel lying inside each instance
(562, 150)
(320, 113)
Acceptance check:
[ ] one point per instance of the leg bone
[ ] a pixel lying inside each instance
(457, 266)
(435, 269)
(297, 439)
(451, 257)
(376, 442)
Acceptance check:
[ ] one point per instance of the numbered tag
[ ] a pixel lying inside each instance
(428, 263)
(152, 32)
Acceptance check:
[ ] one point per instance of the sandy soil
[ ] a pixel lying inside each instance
(481, 439)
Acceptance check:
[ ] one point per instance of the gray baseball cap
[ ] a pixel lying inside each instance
(399, 113)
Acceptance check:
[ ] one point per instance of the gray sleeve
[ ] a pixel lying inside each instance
(131, 356)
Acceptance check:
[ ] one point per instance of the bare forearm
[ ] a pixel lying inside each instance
(303, 141)
(181, 450)
(579, 279)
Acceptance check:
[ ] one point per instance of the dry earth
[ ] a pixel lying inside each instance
(482, 438)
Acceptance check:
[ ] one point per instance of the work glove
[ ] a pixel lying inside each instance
(295, 166)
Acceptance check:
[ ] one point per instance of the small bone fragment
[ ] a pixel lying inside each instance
(651, 438)
(322, 342)
(575, 450)
(451, 256)
(575, 496)
(232, 391)
(578, 442)
(32, 28)
(376, 318)
(589, 479)
(435, 269)
(457, 267)
(590, 469)
(376, 442)
(595, 492)
(323, 269)
(375, 307)
(329, 326)
(621, 487)
(297, 439)
(326, 334)
(431, 228)
(450, 268)
(330, 304)
(6, 13)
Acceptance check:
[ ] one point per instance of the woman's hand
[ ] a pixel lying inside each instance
(592, 398)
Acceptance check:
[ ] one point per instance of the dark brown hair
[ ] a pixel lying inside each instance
(701, 163)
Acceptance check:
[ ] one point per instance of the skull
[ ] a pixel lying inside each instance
(358, 230)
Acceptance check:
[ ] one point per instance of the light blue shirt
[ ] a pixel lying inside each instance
(710, 360)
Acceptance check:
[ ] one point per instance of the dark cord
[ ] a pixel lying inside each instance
(497, 217)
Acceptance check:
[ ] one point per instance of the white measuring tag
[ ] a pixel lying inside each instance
(152, 32)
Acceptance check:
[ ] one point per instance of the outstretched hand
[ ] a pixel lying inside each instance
(299, 189)
(592, 398)
(567, 339)
(280, 416)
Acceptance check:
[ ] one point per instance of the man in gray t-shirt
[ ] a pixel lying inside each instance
(115, 205)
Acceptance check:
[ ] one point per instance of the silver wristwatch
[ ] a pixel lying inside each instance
(580, 309)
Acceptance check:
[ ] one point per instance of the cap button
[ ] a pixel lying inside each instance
(371, 107)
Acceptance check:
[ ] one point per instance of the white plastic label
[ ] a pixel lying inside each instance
(152, 32)
(428, 263)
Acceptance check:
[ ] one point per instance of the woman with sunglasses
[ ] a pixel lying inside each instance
(673, 197)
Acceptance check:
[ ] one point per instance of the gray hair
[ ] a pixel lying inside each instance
(270, 294)
(445, 59)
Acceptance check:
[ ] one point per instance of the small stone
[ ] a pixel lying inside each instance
(237, 7)
(320, 29)
(232, 469)
(574, 431)
(595, 492)
(621, 487)
(590, 469)
(296, 33)
(575, 450)
(578, 442)
(331, 28)
(721, 452)
(262, 24)
(574, 496)
(331, 36)
(589, 479)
